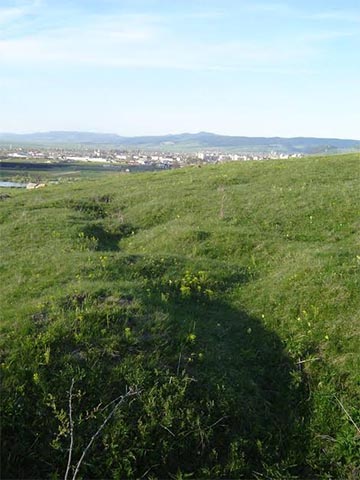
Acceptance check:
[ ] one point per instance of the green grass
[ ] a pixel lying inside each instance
(229, 295)
(36, 170)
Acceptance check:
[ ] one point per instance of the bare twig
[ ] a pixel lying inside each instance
(168, 430)
(222, 190)
(110, 403)
(148, 470)
(71, 422)
(326, 437)
(347, 414)
(300, 362)
(178, 365)
(129, 393)
(215, 423)
(207, 428)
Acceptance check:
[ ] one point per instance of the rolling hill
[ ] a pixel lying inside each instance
(205, 321)
(186, 141)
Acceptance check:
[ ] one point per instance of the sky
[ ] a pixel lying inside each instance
(147, 67)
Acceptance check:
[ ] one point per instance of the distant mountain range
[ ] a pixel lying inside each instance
(185, 141)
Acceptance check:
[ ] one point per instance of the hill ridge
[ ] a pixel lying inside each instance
(192, 141)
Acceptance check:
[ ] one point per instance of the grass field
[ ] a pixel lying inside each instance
(227, 297)
(35, 170)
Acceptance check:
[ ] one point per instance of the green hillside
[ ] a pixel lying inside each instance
(185, 142)
(225, 300)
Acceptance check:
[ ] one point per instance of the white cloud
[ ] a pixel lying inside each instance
(143, 41)
(330, 35)
(279, 9)
(10, 14)
(150, 41)
(273, 8)
(347, 16)
(137, 49)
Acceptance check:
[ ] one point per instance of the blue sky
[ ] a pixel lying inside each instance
(133, 67)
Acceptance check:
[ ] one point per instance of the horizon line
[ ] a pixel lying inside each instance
(40, 132)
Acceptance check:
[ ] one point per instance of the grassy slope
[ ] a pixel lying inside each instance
(244, 277)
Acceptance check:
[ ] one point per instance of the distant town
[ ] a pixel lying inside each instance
(157, 159)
